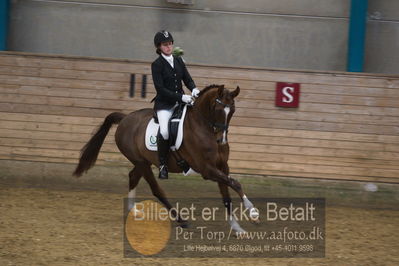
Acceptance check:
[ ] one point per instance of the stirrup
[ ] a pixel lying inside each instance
(163, 172)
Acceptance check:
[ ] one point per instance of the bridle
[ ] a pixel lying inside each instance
(218, 127)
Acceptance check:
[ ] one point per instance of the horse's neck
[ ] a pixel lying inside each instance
(202, 108)
(196, 114)
(199, 115)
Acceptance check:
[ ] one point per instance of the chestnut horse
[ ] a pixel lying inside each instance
(204, 147)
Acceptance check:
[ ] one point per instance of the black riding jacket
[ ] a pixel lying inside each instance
(168, 82)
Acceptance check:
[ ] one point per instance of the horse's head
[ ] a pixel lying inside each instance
(217, 105)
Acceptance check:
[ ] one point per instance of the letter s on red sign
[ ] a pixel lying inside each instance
(287, 94)
(288, 98)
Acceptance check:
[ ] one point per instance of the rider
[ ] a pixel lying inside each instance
(168, 72)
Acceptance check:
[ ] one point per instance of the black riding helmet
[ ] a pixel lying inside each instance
(162, 36)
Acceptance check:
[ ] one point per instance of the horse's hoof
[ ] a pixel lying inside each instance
(254, 215)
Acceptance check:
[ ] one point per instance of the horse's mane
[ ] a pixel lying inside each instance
(207, 88)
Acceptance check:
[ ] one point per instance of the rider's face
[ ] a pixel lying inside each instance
(166, 48)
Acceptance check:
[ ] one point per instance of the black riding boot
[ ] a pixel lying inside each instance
(163, 150)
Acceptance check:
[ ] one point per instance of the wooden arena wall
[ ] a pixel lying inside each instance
(346, 127)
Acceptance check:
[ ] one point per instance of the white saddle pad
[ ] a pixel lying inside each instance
(152, 132)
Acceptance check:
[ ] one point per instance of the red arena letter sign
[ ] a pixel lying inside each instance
(287, 94)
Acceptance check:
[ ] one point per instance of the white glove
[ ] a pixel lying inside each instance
(195, 92)
(187, 99)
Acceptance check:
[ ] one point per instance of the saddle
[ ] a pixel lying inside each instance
(176, 123)
(175, 129)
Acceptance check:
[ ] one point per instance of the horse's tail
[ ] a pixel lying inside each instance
(89, 152)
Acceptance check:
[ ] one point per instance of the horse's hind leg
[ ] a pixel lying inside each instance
(134, 178)
(158, 192)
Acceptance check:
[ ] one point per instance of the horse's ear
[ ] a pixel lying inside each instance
(220, 90)
(235, 92)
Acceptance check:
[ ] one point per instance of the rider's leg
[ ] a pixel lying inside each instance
(163, 141)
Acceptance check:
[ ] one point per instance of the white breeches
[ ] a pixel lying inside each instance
(163, 118)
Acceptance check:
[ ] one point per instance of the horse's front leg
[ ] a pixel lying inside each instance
(213, 173)
(224, 190)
